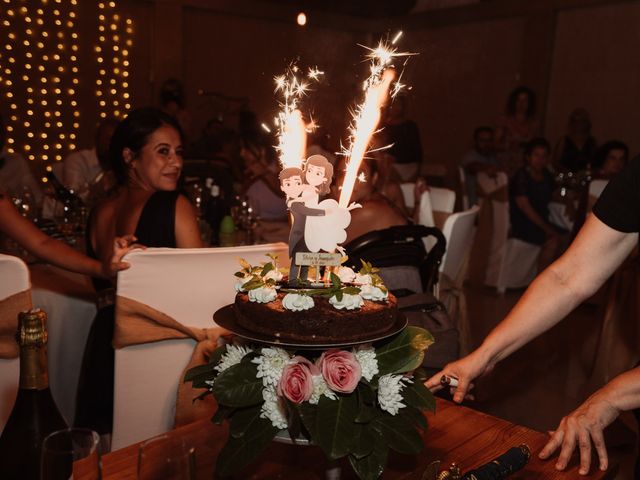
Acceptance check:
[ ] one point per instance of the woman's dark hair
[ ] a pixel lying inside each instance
(538, 142)
(133, 133)
(603, 152)
(512, 100)
(172, 91)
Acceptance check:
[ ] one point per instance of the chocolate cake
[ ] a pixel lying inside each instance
(322, 323)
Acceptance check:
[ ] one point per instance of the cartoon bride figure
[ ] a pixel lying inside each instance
(325, 232)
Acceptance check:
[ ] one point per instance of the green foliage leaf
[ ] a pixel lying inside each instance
(334, 425)
(238, 386)
(241, 451)
(243, 420)
(244, 264)
(371, 466)
(366, 403)
(254, 283)
(216, 355)
(405, 352)
(399, 433)
(364, 438)
(198, 375)
(222, 413)
(419, 396)
(308, 414)
(266, 269)
(339, 295)
(415, 416)
(351, 290)
(240, 274)
(335, 280)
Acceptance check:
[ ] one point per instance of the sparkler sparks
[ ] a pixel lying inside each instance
(292, 130)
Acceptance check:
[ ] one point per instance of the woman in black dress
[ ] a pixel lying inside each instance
(146, 155)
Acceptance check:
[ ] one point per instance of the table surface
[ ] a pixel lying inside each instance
(456, 433)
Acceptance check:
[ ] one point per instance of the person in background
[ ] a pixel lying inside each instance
(146, 155)
(404, 137)
(318, 144)
(377, 212)
(387, 178)
(85, 168)
(516, 128)
(577, 148)
(530, 192)
(53, 251)
(610, 159)
(606, 240)
(173, 103)
(15, 175)
(481, 158)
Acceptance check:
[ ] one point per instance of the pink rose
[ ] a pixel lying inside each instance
(340, 370)
(296, 382)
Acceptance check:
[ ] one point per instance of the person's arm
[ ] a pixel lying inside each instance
(586, 424)
(187, 231)
(299, 207)
(523, 204)
(594, 255)
(55, 252)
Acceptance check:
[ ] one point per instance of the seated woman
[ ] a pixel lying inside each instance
(610, 159)
(530, 191)
(146, 154)
(377, 212)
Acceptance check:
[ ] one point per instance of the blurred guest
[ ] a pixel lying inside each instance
(146, 155)
(530, 192)
(481, 158)
(404, 136)
(610, 159)
(15, 175)
(516, 128)
(249, 128)
(377, 212)
(577, 148)
(173, 103)
(388, 180)
(318, 144)
(84, 168)
(262, 185)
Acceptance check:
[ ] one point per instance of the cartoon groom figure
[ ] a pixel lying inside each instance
(292, 185)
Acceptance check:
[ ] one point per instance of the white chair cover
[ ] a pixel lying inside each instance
(458, 230)
(14, 278)
(519, 265)
(188, 285)
(407, 192)
(596, 187)
(442, 199)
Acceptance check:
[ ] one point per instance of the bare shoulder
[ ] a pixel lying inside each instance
(184, 208)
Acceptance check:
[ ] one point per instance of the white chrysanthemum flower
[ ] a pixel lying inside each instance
(272, 409)
(389, 388)
(368, 363)
(239, 286)
(270, 365)
(209, 383)
(232, 357)
(320, 388)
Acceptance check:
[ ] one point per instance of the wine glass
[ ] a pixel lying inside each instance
(71, 452)
(166, 457)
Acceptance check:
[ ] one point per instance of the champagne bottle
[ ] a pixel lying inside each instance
(35, 413)
(62, 193)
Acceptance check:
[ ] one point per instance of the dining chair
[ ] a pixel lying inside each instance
(14, 279)
(442, 199)
(407, 192)
(188, 285)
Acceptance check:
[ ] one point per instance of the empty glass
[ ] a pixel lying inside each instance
(166, 457)
(69, 453)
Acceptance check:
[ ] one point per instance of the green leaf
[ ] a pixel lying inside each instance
(405, 352)
(419, 396)
(308, 414)
(238, 386)
(351, 290)
(266, 269)
(371, 466)
(366, 403)
(253, 284)
(364, 438)
(334, 425)
(335, 280)
(198, 375)
(244, 264)
(399, 433)
(241, 451)
(294, 423)
(222, 413)
(415, 416)
(243, 420)
(240, 274)
(339, 295)
(217, 354)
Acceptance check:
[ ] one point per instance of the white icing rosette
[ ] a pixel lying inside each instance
(348, 302)
(371, 292)
(363, 279)
(346, 274)
(240, 283)
(296, 302)
(275, 275)
(263, 294)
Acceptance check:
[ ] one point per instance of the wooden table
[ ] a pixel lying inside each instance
(455, 433)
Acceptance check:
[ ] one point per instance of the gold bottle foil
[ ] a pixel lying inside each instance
(32, 338)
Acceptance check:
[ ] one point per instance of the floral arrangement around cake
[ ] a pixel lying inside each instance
(357, 402)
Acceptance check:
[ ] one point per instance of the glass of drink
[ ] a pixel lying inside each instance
(69, 453)
(166, 457)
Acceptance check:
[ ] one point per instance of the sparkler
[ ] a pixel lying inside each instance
(367, 115)
(292, 130)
